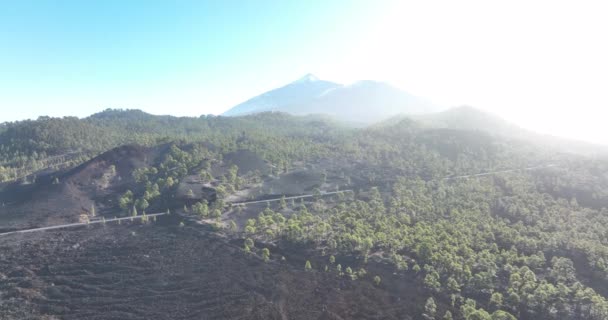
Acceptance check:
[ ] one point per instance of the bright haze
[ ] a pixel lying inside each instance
(539, 64)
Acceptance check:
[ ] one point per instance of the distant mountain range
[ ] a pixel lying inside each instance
(473, 119)
(469, 118)
(363, 101)
(377, 103)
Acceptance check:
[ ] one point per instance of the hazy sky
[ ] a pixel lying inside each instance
(540, 64)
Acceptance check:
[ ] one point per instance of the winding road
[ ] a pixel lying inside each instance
(496, 172)
(77, 224)
(256, 201)
(289, 198)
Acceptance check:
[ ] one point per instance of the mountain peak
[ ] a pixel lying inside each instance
(309, 77)
(365, 101)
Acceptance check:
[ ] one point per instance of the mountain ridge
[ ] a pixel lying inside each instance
(363, 101)
(473, 119)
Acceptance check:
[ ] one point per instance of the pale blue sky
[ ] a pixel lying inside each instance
(177, 57)
(541, 64)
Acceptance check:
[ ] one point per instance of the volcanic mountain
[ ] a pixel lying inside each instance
(363, 101)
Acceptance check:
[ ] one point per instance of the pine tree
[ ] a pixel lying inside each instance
(430, 308)
(307, 266)
(349, 271)
(216, 213)
(249, 243)
(143, 204)
(266, 254)
(232, 226)
(496, 300)
(502, 315)
(447, 315)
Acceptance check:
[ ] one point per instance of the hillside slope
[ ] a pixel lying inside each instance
(473, 119)
(417, 232)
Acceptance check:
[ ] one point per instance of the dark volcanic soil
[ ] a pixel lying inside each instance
(163, 271)
(46, 203)
(160, 270)
(246, 161)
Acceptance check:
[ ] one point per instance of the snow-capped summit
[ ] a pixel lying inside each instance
(363, 101)
(292, 95)
(309, 77)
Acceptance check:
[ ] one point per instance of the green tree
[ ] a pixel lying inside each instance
(431, 280)
(307, 266)
(513, 300)
(453, 285)
(480, 314)
(430, 308)
(232, 173)
(250, 230)
(232, 226)
(249, 243)
(447, 315)
(361, 273)
(143, 204)
(169, 182)
(468, 308)
(377, 280)
(216, 213)
(349, 272)
(201, 208)
(502, 315)
(496, 300)
(562, 270)
(425, 252)
(266, 254)
(126, 201)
